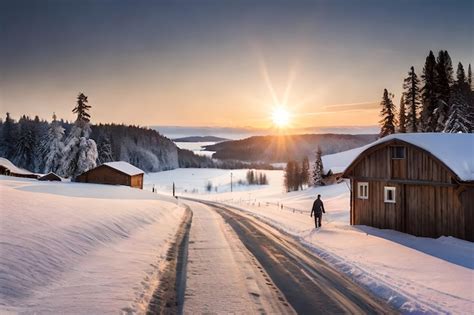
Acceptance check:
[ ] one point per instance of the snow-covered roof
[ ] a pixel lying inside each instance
(13, 168)
(125, 167)
(456, 150)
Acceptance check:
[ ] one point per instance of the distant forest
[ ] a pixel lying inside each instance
(274, 149)
(440, 101)
(26, 142)
(70, 148)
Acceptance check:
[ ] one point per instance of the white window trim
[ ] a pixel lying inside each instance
(385, 194)
(359, 186)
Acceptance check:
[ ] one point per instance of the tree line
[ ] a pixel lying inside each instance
(256, 178)
(439, 101)
(69, 149)
(299, 174)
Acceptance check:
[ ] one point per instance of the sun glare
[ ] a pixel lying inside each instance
(280, 117)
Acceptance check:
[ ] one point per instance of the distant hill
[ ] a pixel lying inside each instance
(200, 139)
(273, 149)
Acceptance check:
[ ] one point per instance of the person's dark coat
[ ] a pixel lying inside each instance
(318, 207)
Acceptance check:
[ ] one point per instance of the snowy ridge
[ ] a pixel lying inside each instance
(124, 167)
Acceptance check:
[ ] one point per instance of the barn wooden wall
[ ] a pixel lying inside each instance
(137, 181)
(428, 203)
(108, 175)
(421, 210)
(417, 165)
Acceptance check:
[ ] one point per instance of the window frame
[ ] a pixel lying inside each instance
(394, 148)
(362, 185)
(386, 189)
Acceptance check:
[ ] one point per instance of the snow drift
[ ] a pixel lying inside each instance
(82, 249)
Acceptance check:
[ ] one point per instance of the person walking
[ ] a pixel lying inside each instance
(318, 210)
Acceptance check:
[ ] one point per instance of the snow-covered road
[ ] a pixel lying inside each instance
(222, 277)
(239, 265)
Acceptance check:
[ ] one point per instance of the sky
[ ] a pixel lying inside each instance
(221, 63)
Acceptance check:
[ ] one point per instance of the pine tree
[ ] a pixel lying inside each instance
(388, 115)
(460, 118)
(104, 148)
(53, 146)
(469, 76)
(412, 100)
(9, 137)
(318, 169)
(80, 152)
(402, 128)
(289, 175)
(305, 171)
(82, 109)
(297, 176)
(444, 80)
(428, 122)
(25, 145)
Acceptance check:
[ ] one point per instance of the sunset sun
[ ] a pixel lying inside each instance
(281, 117)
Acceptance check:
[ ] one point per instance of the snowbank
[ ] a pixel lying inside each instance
(81, 248)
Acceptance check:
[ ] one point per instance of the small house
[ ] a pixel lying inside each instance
(421, 184)
(51, 176)
(10, 169)
(114, 173)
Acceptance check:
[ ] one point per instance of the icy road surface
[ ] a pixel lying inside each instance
(222, 277)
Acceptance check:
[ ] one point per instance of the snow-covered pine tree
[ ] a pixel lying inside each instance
(388, 116)
(80, 152)
(412, 100)
(318, 169)
(444, 80)
(40, 128)
(460, 117)
(428, 95)
(53, 146)
(25, 145)
(402, 126)
(104, 148)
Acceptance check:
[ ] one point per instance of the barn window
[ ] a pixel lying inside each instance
(389, 194)
(363, 190)
(398, 152)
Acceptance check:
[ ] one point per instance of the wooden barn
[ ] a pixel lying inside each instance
(10, 169)
(114, 173)
(51, 176)
(421, 184)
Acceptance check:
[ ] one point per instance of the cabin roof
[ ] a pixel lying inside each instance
(455, 150)
(50, 175)
(13, 168)
(124, 167)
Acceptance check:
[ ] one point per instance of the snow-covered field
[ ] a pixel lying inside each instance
(415, 275)
(70, 248)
